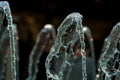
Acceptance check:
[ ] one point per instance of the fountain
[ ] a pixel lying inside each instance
(68, 52)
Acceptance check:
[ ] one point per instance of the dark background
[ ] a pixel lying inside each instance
(31, 15)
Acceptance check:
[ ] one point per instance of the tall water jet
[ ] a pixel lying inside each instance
(57, 58)
(6, 9)
(37, 51)
(110, 58)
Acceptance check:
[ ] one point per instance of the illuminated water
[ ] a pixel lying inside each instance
(57, 59)
(7, 12)
(110, 56)
(39, 47)
(68, 50)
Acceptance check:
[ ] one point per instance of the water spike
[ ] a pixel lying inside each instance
(7, 11)
(109, 60)
(42, 40)
(91, 43)
(57, 58)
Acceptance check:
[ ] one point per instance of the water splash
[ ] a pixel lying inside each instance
(42, 41)
(109, 60)
(57, 58)
(6, 9)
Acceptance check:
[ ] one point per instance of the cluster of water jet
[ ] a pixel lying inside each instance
(63, 52)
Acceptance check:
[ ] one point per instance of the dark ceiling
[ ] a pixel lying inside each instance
(100, 9)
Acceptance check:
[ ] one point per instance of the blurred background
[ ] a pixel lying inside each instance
(31, 15)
